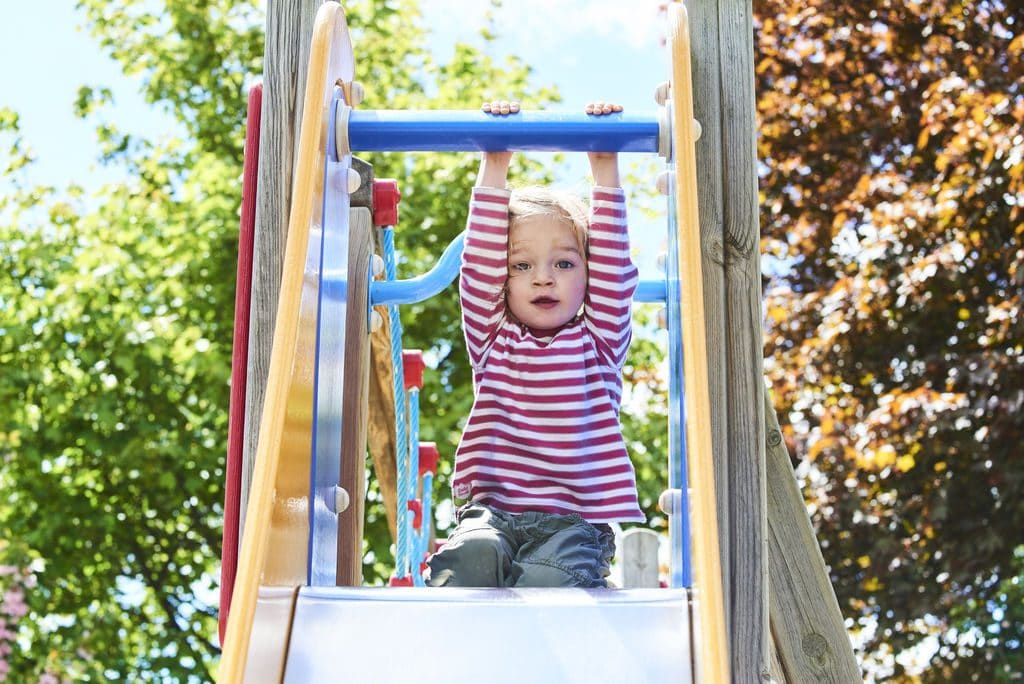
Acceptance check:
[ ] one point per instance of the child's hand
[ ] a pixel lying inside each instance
(599, 108)
(501, 107)
(494, 165)
(604, 165)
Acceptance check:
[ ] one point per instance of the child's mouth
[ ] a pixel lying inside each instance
(544, 302)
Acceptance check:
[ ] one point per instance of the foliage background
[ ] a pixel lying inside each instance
(892, 193)
(890, 141)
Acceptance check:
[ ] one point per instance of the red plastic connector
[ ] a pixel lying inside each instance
(428, 458)
(400, 581)
(412, 366)
(416, 506)
(386, 197)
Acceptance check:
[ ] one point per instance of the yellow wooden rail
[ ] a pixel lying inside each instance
(710, 647)
(273, 514)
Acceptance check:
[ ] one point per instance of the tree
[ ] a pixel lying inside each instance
(892, 185)
(116, 324)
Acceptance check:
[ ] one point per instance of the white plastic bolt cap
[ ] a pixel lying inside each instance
(670, 502)
(376, 321)
(341, 499)
(661, 93)
(358, 93)
(354, 181)
(664, 182)
(697, 130)
(377, 265)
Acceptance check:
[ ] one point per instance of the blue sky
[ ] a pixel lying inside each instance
(590, 49)
(45, 59)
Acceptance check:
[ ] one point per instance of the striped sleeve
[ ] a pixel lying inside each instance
(612, 276)
(484, 270)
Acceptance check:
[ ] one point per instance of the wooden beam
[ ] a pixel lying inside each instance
(381, 429)
(725, 106)
(289, 28)
(712, 661)
(806, 623)
(704, 44)
(354, 404)
(745, 378)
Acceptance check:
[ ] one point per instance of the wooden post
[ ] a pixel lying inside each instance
(381, 428)
(711, 663)
(640, 558)
(354, 403)
(289, 29)
(380, 420)
(725, 106)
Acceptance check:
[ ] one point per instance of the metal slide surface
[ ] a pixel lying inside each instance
(498, 636)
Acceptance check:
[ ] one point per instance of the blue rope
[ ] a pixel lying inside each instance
(401, 440)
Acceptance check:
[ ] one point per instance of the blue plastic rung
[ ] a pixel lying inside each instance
(425, 286)
(386, 130)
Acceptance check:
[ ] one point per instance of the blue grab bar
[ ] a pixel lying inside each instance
(422, 287)
(386, 130)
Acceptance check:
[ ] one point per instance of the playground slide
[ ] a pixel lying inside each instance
(502, 635)
(280, 628)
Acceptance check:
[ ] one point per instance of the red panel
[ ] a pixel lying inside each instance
(240, 357)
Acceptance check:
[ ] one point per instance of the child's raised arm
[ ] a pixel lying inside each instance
(604, 165)
(485, 255)
(612, 276)
(494, 165)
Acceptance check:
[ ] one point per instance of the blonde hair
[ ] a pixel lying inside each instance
(540, 200)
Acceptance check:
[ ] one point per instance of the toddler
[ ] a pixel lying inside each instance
(542, 467)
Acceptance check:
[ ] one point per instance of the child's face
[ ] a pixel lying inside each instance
(547, 273)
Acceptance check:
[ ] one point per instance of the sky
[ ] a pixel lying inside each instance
(590, 49)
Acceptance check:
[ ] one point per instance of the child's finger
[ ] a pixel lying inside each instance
(599, 108)
(501, 107)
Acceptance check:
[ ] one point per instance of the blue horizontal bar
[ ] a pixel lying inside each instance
(424, 286)
(386, 130)
(435, 280)
(650, 291)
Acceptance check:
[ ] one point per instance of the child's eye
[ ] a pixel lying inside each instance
(521, 266)
(565, 263)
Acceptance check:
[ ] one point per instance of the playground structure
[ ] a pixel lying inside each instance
(297, 611)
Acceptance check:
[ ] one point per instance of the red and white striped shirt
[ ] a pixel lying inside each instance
(544, 434)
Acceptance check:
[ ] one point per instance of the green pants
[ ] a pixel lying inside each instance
(492, 548)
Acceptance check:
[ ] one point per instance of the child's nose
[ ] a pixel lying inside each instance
(543, 275)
